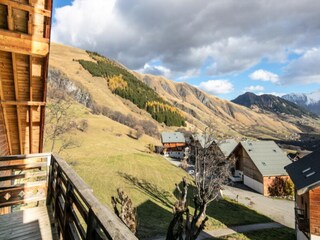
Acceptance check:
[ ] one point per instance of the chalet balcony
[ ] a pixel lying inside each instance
(45, 199)
(302, 221)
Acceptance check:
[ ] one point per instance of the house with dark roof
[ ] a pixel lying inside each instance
(258, 163)
(305, 174)
(173, 144)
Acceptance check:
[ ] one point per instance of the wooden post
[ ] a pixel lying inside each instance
(30, 107)
(50, 175)
(55, 196)
(91, 225)
(67, 212)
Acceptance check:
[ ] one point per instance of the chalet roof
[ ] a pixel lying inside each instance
(204, 141)
(305, 173)
(267, 156)
(227, 146)
(24, 51)
(172, 137)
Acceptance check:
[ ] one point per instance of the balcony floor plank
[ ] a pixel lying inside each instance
(33, 223)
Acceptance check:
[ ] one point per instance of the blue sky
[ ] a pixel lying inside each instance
(223, 47)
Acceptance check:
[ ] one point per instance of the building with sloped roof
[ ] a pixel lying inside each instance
(173, 144)
(257, 163)
(227, 146)
(305, 174)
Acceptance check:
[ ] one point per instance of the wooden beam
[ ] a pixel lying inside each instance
(19, 43)
(5, 119)
(22, 103)
(24, 36)
(30, 107)
(16, 89)
(26, 7)
(25, 156)
(44, 98)
(10, 18)
(49, 5)
(30, 22)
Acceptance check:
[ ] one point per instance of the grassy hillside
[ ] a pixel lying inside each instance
(108, 159)
(126, 85)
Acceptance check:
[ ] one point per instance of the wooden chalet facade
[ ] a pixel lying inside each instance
(24, 55)
(257, 163)
(174, 144)
(305, 174)
(28, 176)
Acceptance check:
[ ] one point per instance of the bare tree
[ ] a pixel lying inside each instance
(212, 171)
(127, 212)
(60, 123)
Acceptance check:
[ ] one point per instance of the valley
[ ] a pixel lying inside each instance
(109, 155)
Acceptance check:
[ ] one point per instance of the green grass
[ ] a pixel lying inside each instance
(149, 180)
(269, 234)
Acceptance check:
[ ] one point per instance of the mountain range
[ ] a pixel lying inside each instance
(271, 103)
(310, 101)
(198, 108)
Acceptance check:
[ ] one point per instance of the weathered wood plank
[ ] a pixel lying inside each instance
(30, 108)
(23, 166)
(22, 43)
(34, 223)
(26, 7)
(26, 156)
(5, 119)
(24, 201)
(24, 176)
(23, 186)
(23, 103)
(16, 88)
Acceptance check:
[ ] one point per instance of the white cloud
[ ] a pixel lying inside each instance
(272, 93)
(254, 88)
(236, 35)
(304, 70)
(264, 75)
(155, 70)
(216, 86)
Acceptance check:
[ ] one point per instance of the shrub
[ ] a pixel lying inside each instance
(139, 132)
(83, 125)
(281, 187)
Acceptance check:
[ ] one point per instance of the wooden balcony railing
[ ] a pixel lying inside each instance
(44, 178)
(23, 179)
(302, 220)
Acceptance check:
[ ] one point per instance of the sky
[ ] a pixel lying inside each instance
(225, 48)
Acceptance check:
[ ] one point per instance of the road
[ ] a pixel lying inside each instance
(279, 210)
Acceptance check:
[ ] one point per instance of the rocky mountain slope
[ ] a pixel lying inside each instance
(310, 101)
(228, 118)
(271, 103)
(198, 107)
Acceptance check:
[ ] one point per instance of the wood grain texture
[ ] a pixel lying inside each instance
(33, 223)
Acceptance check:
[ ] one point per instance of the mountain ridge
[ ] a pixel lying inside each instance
(310, 101)
(199, 108)
(272, 103)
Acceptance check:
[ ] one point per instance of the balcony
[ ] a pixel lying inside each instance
(46, 199)
(302, 220)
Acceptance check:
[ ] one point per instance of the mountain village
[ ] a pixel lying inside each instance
(90, 149)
